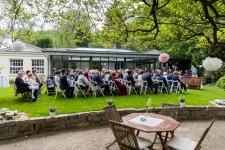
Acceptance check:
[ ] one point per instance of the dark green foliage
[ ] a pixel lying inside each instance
(221, 82)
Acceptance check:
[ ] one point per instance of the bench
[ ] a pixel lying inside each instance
(192, 81)
(25, 95)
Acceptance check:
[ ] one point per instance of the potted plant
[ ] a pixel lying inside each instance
(52, 111)
(109, 101)
(182, 101)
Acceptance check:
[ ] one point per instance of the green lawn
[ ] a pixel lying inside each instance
(194, 97)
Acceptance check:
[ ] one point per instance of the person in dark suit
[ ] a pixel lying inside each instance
(147, 77)
(97, 78)
(64, 84)
(34, 71)
(131, 79)
(22, 86)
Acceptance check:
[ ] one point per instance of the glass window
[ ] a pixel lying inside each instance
(84, 58)
(112, 58)
(129, 59)
(84, 65)
(75, 58)
(16, 65)
(145, 59)
(95, 58)
(56, 57)
(104, 58)
(66, 57)
(112, 66)
(130, 66)
(120, 58)
(57, 65)
(39, 65)
(136, 59)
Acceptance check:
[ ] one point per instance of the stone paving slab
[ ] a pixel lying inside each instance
(97, 138)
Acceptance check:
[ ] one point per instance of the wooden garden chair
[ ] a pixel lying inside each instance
(169, 110)
(182, 143)
(112, 114)
(126, 138)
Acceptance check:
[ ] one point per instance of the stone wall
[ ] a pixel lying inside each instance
(25, 126)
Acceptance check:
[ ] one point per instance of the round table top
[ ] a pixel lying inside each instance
(169, 124)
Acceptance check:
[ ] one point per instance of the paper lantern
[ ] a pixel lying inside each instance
(18, 46)
(164, 57)
(212, 64)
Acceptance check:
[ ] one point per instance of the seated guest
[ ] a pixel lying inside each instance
(83, 83)
(86, 73)
(140, 80)
(125, 74)
(131, 79)
(32, 84)
(57, 77)
(72, 75)
(154, 76)
(187, 73)
(99, 81)
(194, 74)
(170, 75)
(121, 86)
(120, 74)
(106, 76)
(34, 71)
(24, 87)
(178, 78)
(136, 73)
(63, 84)
(76, 75)
(153, 85)
(110, 75)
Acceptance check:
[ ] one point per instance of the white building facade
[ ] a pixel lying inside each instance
(29, 58)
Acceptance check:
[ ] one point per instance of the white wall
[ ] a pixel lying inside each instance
(27, 56)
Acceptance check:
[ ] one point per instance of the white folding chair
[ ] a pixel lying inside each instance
(59, 90)
(80, 89)
(175, 85)
(130, 88)
(144, 87)
(97, 88)
(162, 86)
(75, 92)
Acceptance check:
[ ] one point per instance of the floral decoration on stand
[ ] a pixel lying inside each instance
(182, 101)
(109, 101)
(147, 107)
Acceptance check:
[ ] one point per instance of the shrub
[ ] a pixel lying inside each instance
(221, 83)
(11, 81)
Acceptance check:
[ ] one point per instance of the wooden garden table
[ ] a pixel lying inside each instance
(167, 124)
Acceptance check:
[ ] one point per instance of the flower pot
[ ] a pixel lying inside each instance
(52, 114)
(182, 104)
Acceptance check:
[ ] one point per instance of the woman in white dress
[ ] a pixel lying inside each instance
(32, 84)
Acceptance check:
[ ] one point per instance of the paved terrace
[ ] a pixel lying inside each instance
(96, 138)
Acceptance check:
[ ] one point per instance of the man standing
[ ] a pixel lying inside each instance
(22, 86)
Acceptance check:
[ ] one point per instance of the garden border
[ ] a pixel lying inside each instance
(28, 126)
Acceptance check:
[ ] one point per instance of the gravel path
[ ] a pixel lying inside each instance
(98, 138)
